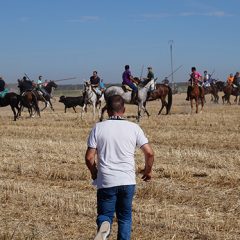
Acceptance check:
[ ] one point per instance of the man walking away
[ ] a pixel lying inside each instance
(114, 142)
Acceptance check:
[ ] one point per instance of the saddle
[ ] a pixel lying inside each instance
(126, 88)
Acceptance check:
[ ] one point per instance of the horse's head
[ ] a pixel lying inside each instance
(52, 84)
(87, 85)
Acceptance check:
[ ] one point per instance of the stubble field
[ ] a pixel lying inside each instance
(46, 191)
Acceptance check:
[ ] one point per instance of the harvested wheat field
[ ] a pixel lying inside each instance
(46, 191)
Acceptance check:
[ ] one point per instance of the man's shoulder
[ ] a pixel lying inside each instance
(122, 122)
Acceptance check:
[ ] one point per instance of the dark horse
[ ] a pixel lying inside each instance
(220, 85)
(212, 89)
(161, 92)
(13, 100)
(45, 94)
(196, 93)
(228, 91)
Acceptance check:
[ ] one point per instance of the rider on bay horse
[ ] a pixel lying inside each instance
(195, 78)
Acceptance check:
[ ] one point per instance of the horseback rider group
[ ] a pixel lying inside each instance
(28, 85)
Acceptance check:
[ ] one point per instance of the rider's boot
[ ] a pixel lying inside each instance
(134, 97)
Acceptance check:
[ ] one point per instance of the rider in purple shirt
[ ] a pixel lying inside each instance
(128, 80)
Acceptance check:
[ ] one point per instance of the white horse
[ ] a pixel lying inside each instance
(143, 90)
(91, 98)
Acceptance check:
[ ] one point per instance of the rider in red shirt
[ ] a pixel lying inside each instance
(195, 78)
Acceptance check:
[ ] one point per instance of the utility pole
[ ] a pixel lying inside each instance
(171, 46)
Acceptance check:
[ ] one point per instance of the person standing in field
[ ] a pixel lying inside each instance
(114, 142)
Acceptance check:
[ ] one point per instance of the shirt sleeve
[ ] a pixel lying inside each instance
(141, 138)
(92, 141)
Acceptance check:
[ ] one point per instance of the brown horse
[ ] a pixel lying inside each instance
(228, 91)
(29, 100)
(161, 92)
(196, 93)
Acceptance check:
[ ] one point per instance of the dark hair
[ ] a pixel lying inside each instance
(95, 72)
(193, 69)
(115, 104)
(126, 67)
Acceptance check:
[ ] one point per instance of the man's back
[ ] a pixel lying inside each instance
(116, 141)
(126, 77)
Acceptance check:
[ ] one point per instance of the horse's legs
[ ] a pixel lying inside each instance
(99, 110)
(20, 110)
(191, 101)
(94, 111)
(51, 106)
(139, 113)
(202, 104)
(14, 113)
(161, 107)
(196, 100)
(44, 106)
(223, 98)
(235, 100)
(228, 99)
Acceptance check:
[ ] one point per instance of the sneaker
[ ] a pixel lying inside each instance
(103, 231)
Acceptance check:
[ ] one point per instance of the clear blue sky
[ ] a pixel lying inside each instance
(67, 38)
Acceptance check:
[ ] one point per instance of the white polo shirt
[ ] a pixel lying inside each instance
(116, 141)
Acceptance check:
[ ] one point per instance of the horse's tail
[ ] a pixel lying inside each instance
(169, 104)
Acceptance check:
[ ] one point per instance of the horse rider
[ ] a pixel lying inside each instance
(95, 83)
(3, 90)
(236, 80)
(129, 81)
(230, 79)
(25, 85)
(165, 81)
(206, 79)
(40, 88)
(195, 78)
(149, 77)
(102, 85)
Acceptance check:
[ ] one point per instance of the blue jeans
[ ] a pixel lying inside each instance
(133, 87)
(117, 199)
